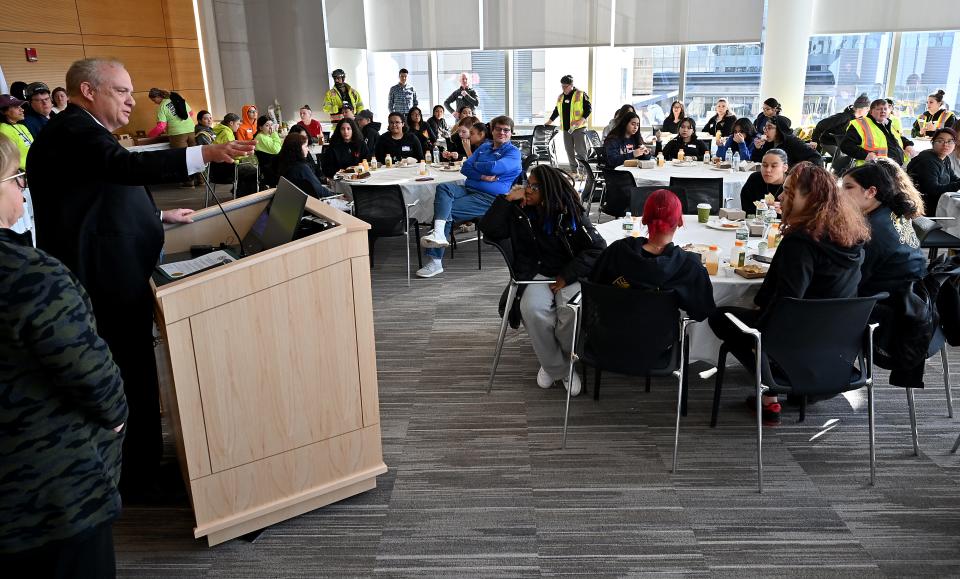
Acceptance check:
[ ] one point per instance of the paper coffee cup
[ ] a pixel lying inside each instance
(703, 212)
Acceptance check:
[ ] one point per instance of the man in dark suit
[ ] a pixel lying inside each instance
(93, 213)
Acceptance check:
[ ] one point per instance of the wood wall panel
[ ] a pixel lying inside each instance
(46, 16)
(178, 19)
(155, 39)
(185, 68)
(51, 68)
(197, 99)
(121, 17)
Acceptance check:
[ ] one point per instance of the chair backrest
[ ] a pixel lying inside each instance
(816, 343)
(542, 134)
(593, 138)
(505, 247)
(222, 173)
(629, 331)
(524, 145)
(700, 190)
(616, 194)
(599, 154)
(639, 195)
(383, 207)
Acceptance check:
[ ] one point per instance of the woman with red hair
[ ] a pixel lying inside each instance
(655, 262)
(819, 258)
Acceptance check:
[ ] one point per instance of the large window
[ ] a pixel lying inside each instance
(529, 102)
(488, 75)
(730, 71)
(842, 67)
(384, 69)
(656, 82)
(924, 68)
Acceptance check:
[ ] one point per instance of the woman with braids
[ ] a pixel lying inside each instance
(552, 238)
(819, 258)
(655, 262)
(892, 258)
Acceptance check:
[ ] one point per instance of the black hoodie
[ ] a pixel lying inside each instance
(809, 269)
(626, 264)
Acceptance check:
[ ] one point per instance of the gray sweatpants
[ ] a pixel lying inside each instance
(550, 325)
(576, 145)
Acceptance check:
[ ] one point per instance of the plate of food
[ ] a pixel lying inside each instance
(721, 167)
(751, 271)
(724, 225)
(450, 168)
(684, 163)
(698, 248)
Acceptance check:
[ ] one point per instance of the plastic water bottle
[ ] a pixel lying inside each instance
(627, 224)
(427, 157)
(743, 232)
(436, 154)
(736, 162)
(729, 157)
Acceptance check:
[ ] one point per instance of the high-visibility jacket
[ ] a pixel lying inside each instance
(333, 103)
(872, 138)
(926, 117)
(576, 107)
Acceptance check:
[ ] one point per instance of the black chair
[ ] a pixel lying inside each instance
(453, 238)
(513, 286)
(524, 143)
(525, 163)
(933, 237)
(700, 190)
(225, 174)
(594, 143)
(267, 164)
(592, 183)
(937, 345)
(615, 198)
(639, 195)
(809, 347)
(543, 145)
(388, 214)
(607, 318)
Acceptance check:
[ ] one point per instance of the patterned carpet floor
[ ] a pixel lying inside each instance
(479, 487)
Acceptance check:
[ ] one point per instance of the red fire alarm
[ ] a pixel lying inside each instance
(31, 54)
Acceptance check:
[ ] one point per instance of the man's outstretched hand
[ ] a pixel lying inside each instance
(227, 152)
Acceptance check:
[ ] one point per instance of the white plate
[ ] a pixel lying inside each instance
(727, 169)
(716, 225)
(451, 169)
(685, 163)
(355, 181)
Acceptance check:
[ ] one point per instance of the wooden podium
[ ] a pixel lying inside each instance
(268, 372)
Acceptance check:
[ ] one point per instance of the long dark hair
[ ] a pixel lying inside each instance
(409, 120)
(291, 152)
(559, 195)
(693, 127)
(356, 138)
(746, 127)
(889, 195)
(620, 129)
(627, 108)
(179, 106)
(683, 110)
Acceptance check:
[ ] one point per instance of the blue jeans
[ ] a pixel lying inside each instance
(456, 203)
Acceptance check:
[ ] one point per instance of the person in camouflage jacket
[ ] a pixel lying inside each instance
(62, 409)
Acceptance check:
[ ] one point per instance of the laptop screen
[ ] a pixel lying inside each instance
(279, 220)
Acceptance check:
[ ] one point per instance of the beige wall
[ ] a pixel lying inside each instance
(156, 39)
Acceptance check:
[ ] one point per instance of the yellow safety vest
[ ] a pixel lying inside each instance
(576, 107)
(926, 117)
(872, 138)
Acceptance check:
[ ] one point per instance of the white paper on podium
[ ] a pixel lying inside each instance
(184, 268)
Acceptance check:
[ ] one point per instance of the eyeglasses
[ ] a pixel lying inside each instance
(502, 130)
(20, 178)
(942, 142)
(534, 186)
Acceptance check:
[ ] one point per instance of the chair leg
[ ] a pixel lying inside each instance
(596, 383)
(407, 234)
(946, 380)
(511, 294)
(646, 387)
(718, 385)
(416, 239)
(913, 421)
(479, 247)
(872, 427)
(681, 381)
(956, 445)
(803, 408)
(686, 379)
(570, 371)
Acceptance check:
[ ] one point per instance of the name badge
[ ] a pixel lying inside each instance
(405, 148)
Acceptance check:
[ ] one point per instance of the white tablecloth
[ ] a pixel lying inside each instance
(729, 289)
(921, 143)
(406, 178)
(949, 206)
(660, 176)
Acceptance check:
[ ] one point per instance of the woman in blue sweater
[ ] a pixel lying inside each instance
(741, 141)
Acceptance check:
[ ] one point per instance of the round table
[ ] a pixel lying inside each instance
(729, 289)
(921, 144)
(660, 176)
(949, 206)
(421, 192)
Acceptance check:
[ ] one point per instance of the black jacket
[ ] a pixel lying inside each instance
(795, 149)
(724, 125)
(892, 258)
(406, 146)
(92, 210)
(426, 140)
(626, 264)
(762, 119)
(932, 177)
(370, 137)
(440, 128)
(618, 149)
(694, 148)
(461, 101)
(674, 127)
(830, 130)
(852, 146)
(755, 189)
(569, 252)
(809, 269)
(303, 176)
(340, 155)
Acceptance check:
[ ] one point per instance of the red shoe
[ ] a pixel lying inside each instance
(769, 413)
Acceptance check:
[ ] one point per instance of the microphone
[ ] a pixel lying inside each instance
(210, 190)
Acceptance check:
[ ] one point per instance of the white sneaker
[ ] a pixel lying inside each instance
(434, 239)
(433, 267)
(543, 379)
(575, 388)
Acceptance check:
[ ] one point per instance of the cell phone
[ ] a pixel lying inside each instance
(762, 258)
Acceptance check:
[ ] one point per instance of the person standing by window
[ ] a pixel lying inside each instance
(341, 97)
(403, 96)
(463, 96)
(573, 108)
